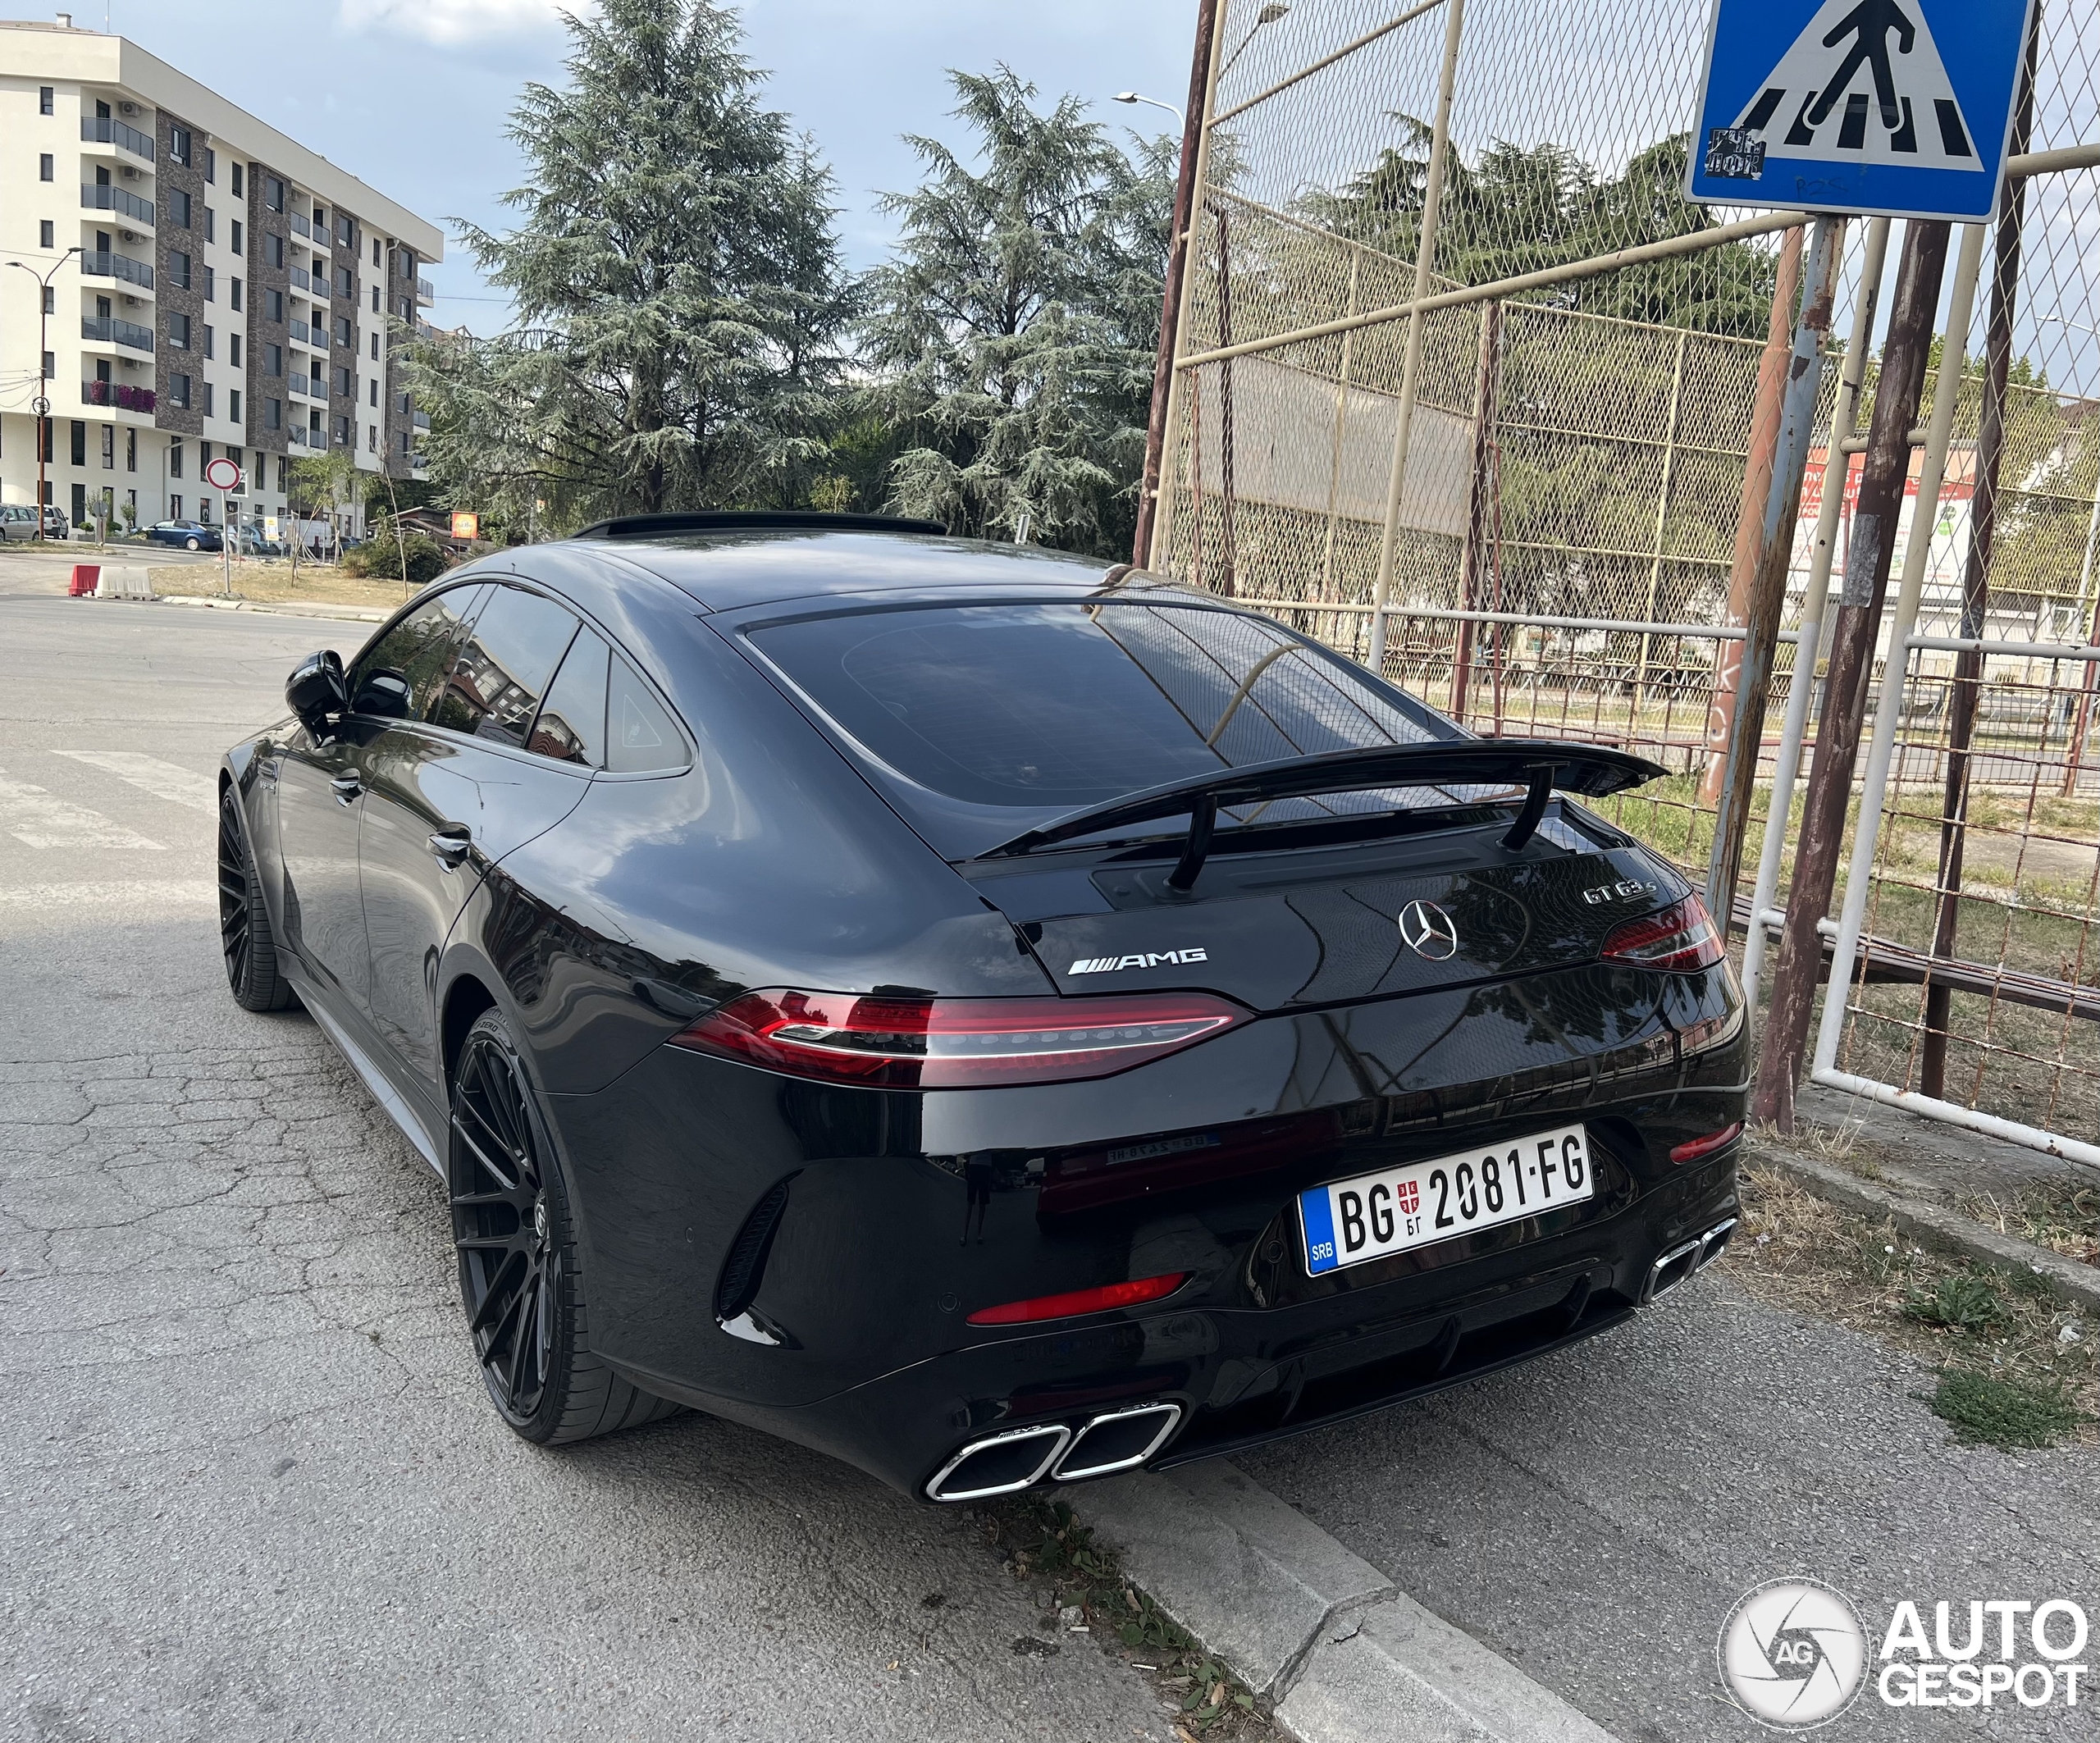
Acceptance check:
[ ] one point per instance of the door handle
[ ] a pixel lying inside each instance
(346, 788)
(450, 845)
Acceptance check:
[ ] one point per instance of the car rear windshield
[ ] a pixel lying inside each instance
(1052, 707)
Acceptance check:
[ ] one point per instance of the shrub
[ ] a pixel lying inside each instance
(379, 558)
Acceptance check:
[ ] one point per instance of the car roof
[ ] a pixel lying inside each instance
(727, 569)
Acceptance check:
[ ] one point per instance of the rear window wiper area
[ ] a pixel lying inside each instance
(1541, 767)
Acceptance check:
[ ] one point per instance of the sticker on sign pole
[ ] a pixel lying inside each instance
(1896, 108)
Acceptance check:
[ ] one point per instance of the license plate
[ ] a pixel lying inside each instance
(1400, 1209)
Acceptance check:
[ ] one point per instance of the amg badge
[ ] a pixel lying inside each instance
(1109, 964)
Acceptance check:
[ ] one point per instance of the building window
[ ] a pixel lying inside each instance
(174, 507)
(342, 432)
(407, 404)
(233, 349)
(273, 416)
(273, 360)
(210, 410)
(210, 224)
(345, 387)
(209, 336)
(404, 442)
(174, 459)
(273, 305)
(178, 148)
(236, 182)
(79, 450)
(211, 174)
(79, 503)
(131, 450)
(235, 235)
(375, 253)
(372, 438)
(233, 290)
(178, 269)
(346, 232)
(47, 167)
(50, 301)
(43, 106)
(50, 366)
(343, 336)
(273, 194)
(374, 389)
(46, 236)
(211, 279)
(109, 447)
(233, 403)
(178, 391)
(375, 347)
(273, 249)
(178, 332)
(178, 207)
(204, 458)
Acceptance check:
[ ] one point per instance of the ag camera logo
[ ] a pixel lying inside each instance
(1793, 1653)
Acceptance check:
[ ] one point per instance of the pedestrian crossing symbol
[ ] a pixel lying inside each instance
(1895, 108)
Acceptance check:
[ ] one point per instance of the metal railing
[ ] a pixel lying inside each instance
(421, 420)
(102, 196)
(302, 279)
(426, 291)
(120, 394)
(107, 130)
(111, 330)
(107, 263)
(312, 386)
(300, 227)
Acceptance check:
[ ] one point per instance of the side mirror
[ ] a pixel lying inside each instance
(315, 691)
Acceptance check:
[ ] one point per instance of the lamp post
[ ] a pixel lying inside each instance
(1135, 97)
(1269, 14)
(42, 407)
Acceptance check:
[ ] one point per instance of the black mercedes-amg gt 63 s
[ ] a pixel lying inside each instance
(995, 1021)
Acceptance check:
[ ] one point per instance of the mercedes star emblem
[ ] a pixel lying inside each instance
(1428, 932)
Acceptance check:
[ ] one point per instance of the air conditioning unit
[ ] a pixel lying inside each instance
(131, 174)
(128, 235)
(128, 108)
(130, 302)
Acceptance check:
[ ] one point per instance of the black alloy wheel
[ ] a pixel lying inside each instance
(244, 935)
(520, 1276)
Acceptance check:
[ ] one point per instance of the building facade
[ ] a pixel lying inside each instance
(204, 286)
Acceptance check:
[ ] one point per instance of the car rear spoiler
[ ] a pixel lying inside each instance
(1539, 765)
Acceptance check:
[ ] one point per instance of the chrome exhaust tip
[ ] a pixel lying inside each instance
(999, 1464)
(1117, 1440)
(1714, 1241)
(1670, 1269)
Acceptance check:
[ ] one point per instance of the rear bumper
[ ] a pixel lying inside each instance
(1240, 1377)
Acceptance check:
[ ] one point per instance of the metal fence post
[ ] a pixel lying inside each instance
(1479, 502)
(1860, 606)
(1425, 266)
(1766, 601)
(1816, 603)
(1888, 711)
(1662, 523)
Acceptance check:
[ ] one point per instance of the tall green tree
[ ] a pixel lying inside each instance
(1011, 337)
(681, 302)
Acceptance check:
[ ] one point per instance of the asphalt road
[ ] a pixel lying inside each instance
(250, 1486)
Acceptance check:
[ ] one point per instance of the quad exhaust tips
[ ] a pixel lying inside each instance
(1005, 1463)
(1674, 1265)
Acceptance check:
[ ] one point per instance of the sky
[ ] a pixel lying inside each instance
(412, 96)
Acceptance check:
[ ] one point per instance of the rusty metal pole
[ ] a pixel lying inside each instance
(1750, 516)
(1177, 267)
(1758, 651)
(1874, 523)
(1976, 588)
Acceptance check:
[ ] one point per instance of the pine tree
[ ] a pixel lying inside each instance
(679, 294)
(1012, 336)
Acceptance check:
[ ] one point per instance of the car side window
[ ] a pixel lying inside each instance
(495, 684)
(399, 676)
(640, 737)
(572, 724)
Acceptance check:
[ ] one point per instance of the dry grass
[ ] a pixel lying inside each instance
(1798, 1251)
(270, 582)
(2062, 1215)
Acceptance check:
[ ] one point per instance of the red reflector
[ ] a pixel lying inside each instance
(891, 1043)
(1077, 1302)
(1678, 941)
(1691, 1149)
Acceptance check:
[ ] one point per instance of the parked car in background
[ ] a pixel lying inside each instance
(250, 542)
(189, 534)
(17, 522)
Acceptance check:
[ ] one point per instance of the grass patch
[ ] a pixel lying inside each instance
(1044, 1544)
(2005, 1413)
(1798, 1251)
(2062, 1215)
(270, 582)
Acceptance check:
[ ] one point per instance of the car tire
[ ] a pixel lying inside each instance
(191, 544)
(521, 1272)
(245, 939)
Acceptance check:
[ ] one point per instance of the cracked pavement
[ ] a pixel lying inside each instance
(249, 1486)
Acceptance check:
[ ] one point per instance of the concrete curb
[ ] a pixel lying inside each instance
(2065, 1278)
(276, 608)
(1344, 1653)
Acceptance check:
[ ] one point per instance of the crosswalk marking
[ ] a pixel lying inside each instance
(39, 818)
(151, 774)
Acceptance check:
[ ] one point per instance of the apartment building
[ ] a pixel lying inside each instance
(182, 282)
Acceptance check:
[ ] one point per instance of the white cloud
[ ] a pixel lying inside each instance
(448, 23)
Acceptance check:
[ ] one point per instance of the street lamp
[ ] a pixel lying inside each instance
(41, 408)
(1134, 96)
(1268, 14)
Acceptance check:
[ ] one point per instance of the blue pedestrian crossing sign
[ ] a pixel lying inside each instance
(1896, 108)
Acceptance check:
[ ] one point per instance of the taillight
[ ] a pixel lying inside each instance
(1693, 1149)
(1678, 941)
(1076, 1301)
(887, 1042)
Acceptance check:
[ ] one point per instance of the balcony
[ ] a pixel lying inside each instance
(120, 394)
(314, 387)
(302, 279)
(96, 196)
(108, 330)
(300, 227)
(421, 420)
(106, 130)
(105, 263)
(426, 292)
